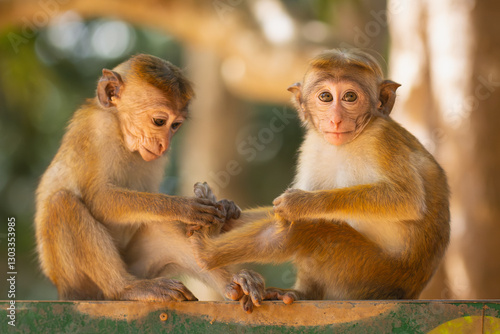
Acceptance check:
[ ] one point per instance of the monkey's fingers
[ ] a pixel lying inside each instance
(252, 284)
(205, 214)
(247, 304)
(181, 293)
(234, 291)
(206, 219)
(230, 208)
(288, 297)
(205, 201)
(205, 205)
(203, 190)
(158, 289)
(277, 201)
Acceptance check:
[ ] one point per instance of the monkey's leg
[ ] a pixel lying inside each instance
(234, 216)
(249, 216)
(337, 262)
(163, 250)
(264, 241)
(84, 263)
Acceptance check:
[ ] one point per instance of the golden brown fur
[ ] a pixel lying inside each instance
(367, 216)
(98, 210)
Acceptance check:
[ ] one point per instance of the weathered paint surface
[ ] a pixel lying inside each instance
(271, 317)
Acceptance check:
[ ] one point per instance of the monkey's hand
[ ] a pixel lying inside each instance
(228, 208)
(288, 296)
(232, 212)
(199, 212)
(159, 289)
(248, 287)
(291, 205)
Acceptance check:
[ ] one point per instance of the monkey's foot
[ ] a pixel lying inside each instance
(248, 287)
(158, 289)
(203, 190)
(288, 296)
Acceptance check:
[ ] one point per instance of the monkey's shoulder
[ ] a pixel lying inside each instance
(394, 143)
(92, 124)
(92, 150)
(402, 153)
(392, 136)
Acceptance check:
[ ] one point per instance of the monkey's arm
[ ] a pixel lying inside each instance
(117, 205)
(371, 202)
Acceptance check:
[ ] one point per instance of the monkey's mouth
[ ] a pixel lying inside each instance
(337, 133)
(338, 137)
(147, 155)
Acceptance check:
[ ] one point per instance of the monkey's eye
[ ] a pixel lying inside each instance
(176, 125)
(325, 97)
(350, 97)
(159, 121)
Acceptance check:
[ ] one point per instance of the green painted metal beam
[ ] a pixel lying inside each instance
(272, 317)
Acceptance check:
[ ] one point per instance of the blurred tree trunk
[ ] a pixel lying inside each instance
(209, 145)
(447, 56)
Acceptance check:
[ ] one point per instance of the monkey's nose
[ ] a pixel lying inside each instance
(162, 147)
(335, 122)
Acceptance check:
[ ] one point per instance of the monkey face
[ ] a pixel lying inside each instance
(147, 120)
(338, 109)
(150, 98)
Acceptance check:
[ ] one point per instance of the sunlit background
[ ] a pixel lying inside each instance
(243, 134)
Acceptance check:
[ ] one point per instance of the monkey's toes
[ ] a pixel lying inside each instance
(203, 190)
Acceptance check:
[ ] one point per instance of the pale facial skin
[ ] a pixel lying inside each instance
(338, 110)
(147, 121)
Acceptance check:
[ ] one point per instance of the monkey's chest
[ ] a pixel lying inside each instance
(336, 171)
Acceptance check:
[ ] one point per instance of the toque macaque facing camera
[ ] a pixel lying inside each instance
(367, 216)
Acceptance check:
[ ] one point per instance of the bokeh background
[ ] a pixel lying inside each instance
(243, 134)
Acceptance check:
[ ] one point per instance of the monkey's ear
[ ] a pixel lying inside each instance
(109, 86)
(387, 96)
(296, 89)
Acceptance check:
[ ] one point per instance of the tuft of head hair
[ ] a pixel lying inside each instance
(163, 75)
(352, 64)
(347, 59)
